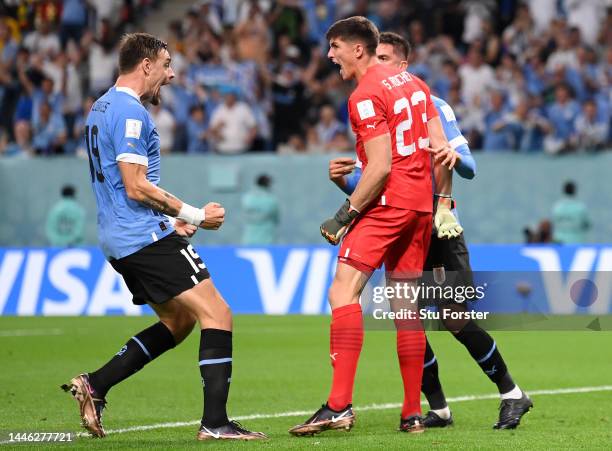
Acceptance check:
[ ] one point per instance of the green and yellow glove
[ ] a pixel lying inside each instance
(333, 229)
(445, 222)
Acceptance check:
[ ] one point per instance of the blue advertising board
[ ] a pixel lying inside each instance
(294, 280)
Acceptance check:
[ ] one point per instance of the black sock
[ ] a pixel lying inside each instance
(216, 371)
(483, 349)
(136, 353)
(430, 386)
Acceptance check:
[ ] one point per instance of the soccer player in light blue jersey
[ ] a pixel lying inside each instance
(451, 255)
(142, 231)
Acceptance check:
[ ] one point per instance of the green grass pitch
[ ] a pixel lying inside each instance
(281, 364)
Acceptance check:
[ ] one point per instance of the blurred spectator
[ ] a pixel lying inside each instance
(66, 221)
(570, 217)
(288, 97)
(164, 124)
(197, 131)
(328, 126)
(261, 213)
(232, 125)
(22, 146)
(497, 135)
(543, 12)
(564, 55)
(295, 144)
(591, 131)
(517, 37)
(562, 116)
(73, 21)
(542, 234)
(42, 40)
(586, 14)
(49, 131)
(476, 76)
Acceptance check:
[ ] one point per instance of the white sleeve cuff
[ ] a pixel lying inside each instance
(457, 141)
(133, 158)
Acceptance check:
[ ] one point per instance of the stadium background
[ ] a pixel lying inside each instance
(55, 57)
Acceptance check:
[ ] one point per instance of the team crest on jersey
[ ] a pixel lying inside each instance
(365, 109)
(133, 128)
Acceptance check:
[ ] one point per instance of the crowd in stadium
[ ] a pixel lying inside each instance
(252, 75)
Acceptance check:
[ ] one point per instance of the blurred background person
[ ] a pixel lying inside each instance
(232, 125)
(261, 213)
(65, 226)
(570, 217)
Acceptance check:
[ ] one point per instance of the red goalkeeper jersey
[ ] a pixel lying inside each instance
(387, 100)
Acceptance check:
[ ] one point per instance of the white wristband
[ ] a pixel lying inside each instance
(191, 215)
(171, 219)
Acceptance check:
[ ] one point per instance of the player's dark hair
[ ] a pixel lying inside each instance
(68, 191)
(569, 188)
(263, 180)
(401, 46)
(356, 28)
(134, 47)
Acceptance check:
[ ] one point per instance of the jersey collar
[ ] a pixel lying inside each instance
(127, 90)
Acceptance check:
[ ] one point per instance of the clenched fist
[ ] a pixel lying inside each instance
(214, 216)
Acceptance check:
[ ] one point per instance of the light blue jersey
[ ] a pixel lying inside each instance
(466, 168)
(119, 128)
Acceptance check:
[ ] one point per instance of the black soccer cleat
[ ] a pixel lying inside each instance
(511, 411)
(325, 419)
(412, 425)
(230, 431)
(433, 420)
(90, 404)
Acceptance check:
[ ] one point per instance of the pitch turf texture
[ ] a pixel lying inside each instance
(281, 365)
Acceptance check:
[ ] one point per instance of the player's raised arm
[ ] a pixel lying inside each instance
(138, 188)
(444, 157)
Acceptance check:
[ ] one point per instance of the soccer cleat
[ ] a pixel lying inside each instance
(230, 431)
(90, 407)
(433, 420)
(325, 419)
(511, 411)
(412, 425)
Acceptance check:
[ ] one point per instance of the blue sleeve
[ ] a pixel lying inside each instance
(467, 166)
(130, 132)
(351, 181)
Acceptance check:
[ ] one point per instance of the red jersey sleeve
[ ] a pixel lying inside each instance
(368, 115)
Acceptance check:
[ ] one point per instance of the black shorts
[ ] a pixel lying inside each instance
(448, 265)
(162, 270)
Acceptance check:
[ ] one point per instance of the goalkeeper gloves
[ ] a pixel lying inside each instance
(445, 222)
(333, 229)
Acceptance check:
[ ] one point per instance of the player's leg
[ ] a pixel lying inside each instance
(174, 324)
(90, 389)
(439, 414)
(404, 263)
(479, 343)
(361, 252)
(346, 341)
(214, 316)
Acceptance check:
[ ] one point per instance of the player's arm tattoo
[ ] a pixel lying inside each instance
(160, 200)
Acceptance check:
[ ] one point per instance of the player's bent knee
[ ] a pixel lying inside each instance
(339, 297)
(182, 328)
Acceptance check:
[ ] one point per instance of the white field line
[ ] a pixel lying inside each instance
(297, 413)
(30, 332)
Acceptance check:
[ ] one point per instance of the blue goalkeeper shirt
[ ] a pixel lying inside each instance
(119, 128)
(466, 168)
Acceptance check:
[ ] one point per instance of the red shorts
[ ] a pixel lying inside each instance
(396, 237)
